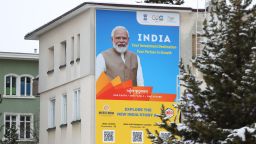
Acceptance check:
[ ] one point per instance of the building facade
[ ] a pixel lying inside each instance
(67, 68)
(19, 106)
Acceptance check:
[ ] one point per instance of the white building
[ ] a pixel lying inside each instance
(67, 68)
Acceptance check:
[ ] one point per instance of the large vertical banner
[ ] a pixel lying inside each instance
(137, 56)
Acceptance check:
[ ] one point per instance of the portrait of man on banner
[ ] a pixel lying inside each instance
(119, 61)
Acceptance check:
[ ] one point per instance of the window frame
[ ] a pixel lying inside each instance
(63, 54)
(196, 46)
(5, 86)
(18, 86)
(64, 109)
(50, 60)
(78, 47)
(18, 115)
(76, 104)
(72, 50)
(31, 85)
(52, 113)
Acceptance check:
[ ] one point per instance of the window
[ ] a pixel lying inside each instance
(22, 123)
(72, 50)
(78, 48)
(10, 121)
(196, 45)
(76, 105)
(25, 126)
(25, 86)
(64, 109)
(50, 60)
(51, 123)
(18, 86)
(63, 54)
(10, 85)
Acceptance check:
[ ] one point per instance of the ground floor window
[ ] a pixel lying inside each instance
(76, 105)
(19, 123)
(51, 123)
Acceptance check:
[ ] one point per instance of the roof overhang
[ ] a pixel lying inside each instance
(34, 35)
(18, 56)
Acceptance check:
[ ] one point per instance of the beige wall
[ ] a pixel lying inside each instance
(82, 132)
(78, 75)
(81, 24)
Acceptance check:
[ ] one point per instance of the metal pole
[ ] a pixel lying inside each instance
(196, 25)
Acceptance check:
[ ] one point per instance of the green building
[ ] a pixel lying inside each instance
(18, 89)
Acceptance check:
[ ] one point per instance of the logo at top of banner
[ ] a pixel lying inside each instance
(158, 18)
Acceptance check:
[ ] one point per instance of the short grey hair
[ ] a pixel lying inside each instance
(119, 27)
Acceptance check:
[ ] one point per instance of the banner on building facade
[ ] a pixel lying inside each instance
(137, 57)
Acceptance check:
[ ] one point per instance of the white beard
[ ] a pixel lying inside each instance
(120, 50)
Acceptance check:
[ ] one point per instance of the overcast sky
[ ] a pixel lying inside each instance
(19, 17)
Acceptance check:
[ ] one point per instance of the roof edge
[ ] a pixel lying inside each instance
(33, 35)
(19, 56)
